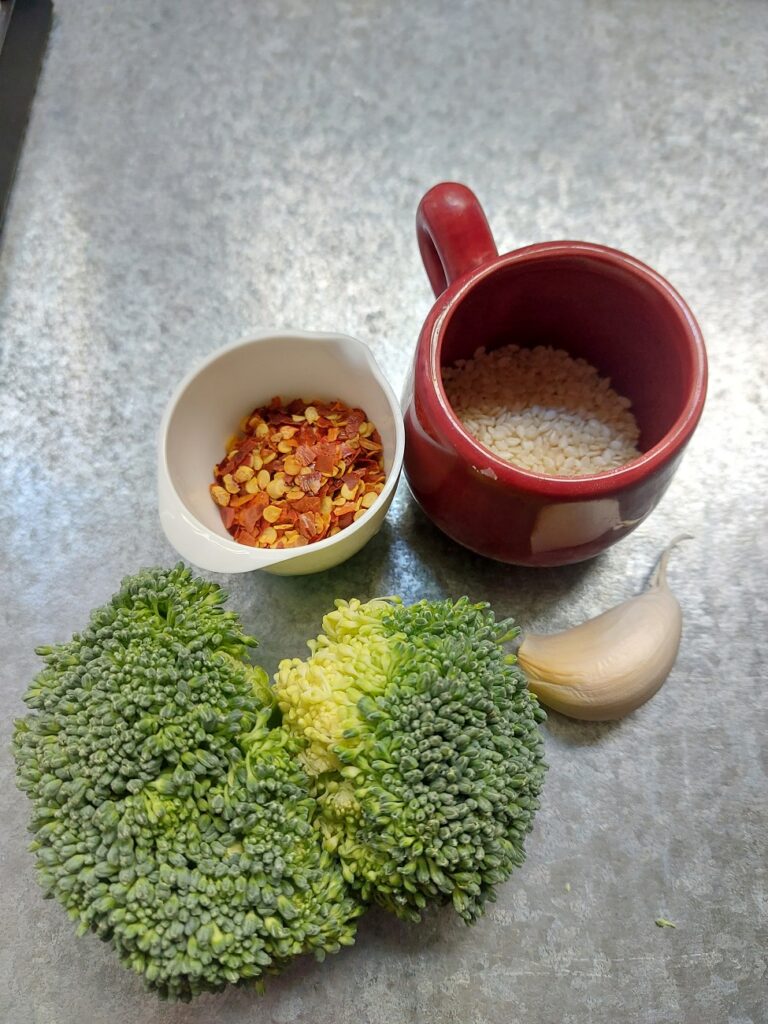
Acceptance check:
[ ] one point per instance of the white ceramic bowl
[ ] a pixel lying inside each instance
(206, 410)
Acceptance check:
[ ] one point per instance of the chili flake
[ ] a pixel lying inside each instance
(297, 473)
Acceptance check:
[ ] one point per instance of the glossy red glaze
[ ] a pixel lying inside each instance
(595, 302)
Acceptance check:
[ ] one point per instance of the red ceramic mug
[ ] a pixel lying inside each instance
(595, 302)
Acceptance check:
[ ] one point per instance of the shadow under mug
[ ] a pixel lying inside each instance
(596, 303)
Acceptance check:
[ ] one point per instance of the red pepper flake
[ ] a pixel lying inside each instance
(251, 513)
(311, 482)
(308, 504)
(244, 537)
(326, 456)
(307, 526)
(313, 465)
(304, 455)
(356, 419)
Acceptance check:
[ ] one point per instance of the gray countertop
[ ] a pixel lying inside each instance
(195, 171)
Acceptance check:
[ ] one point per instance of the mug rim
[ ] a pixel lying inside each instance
(470, 450)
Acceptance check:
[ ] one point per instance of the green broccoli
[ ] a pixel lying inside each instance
(211, 827)
(171, 816)
(156, 682)
(423, 740)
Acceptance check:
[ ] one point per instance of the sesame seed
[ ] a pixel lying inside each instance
(542, 410)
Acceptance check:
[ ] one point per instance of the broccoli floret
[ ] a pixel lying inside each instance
(171, 815)
(156, 682)
(423, 740)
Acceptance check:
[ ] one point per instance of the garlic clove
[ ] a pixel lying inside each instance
(608, 666)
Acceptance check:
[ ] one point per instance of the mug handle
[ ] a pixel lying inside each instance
(453, 234)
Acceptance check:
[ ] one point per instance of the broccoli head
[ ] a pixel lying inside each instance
(171, 814)
(212, 827)
(423, 740)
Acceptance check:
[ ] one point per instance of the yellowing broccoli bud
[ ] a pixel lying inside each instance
(318, 697)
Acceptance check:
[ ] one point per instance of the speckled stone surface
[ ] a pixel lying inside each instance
(195, 171)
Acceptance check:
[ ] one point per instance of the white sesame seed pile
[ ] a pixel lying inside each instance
(542, 410)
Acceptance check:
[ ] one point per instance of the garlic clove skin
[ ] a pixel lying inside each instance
(608, 666)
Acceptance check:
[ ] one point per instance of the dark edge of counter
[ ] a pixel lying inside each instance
(21, 55)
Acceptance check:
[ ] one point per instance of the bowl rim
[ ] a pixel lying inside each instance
(258, 558)
(470, 450)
